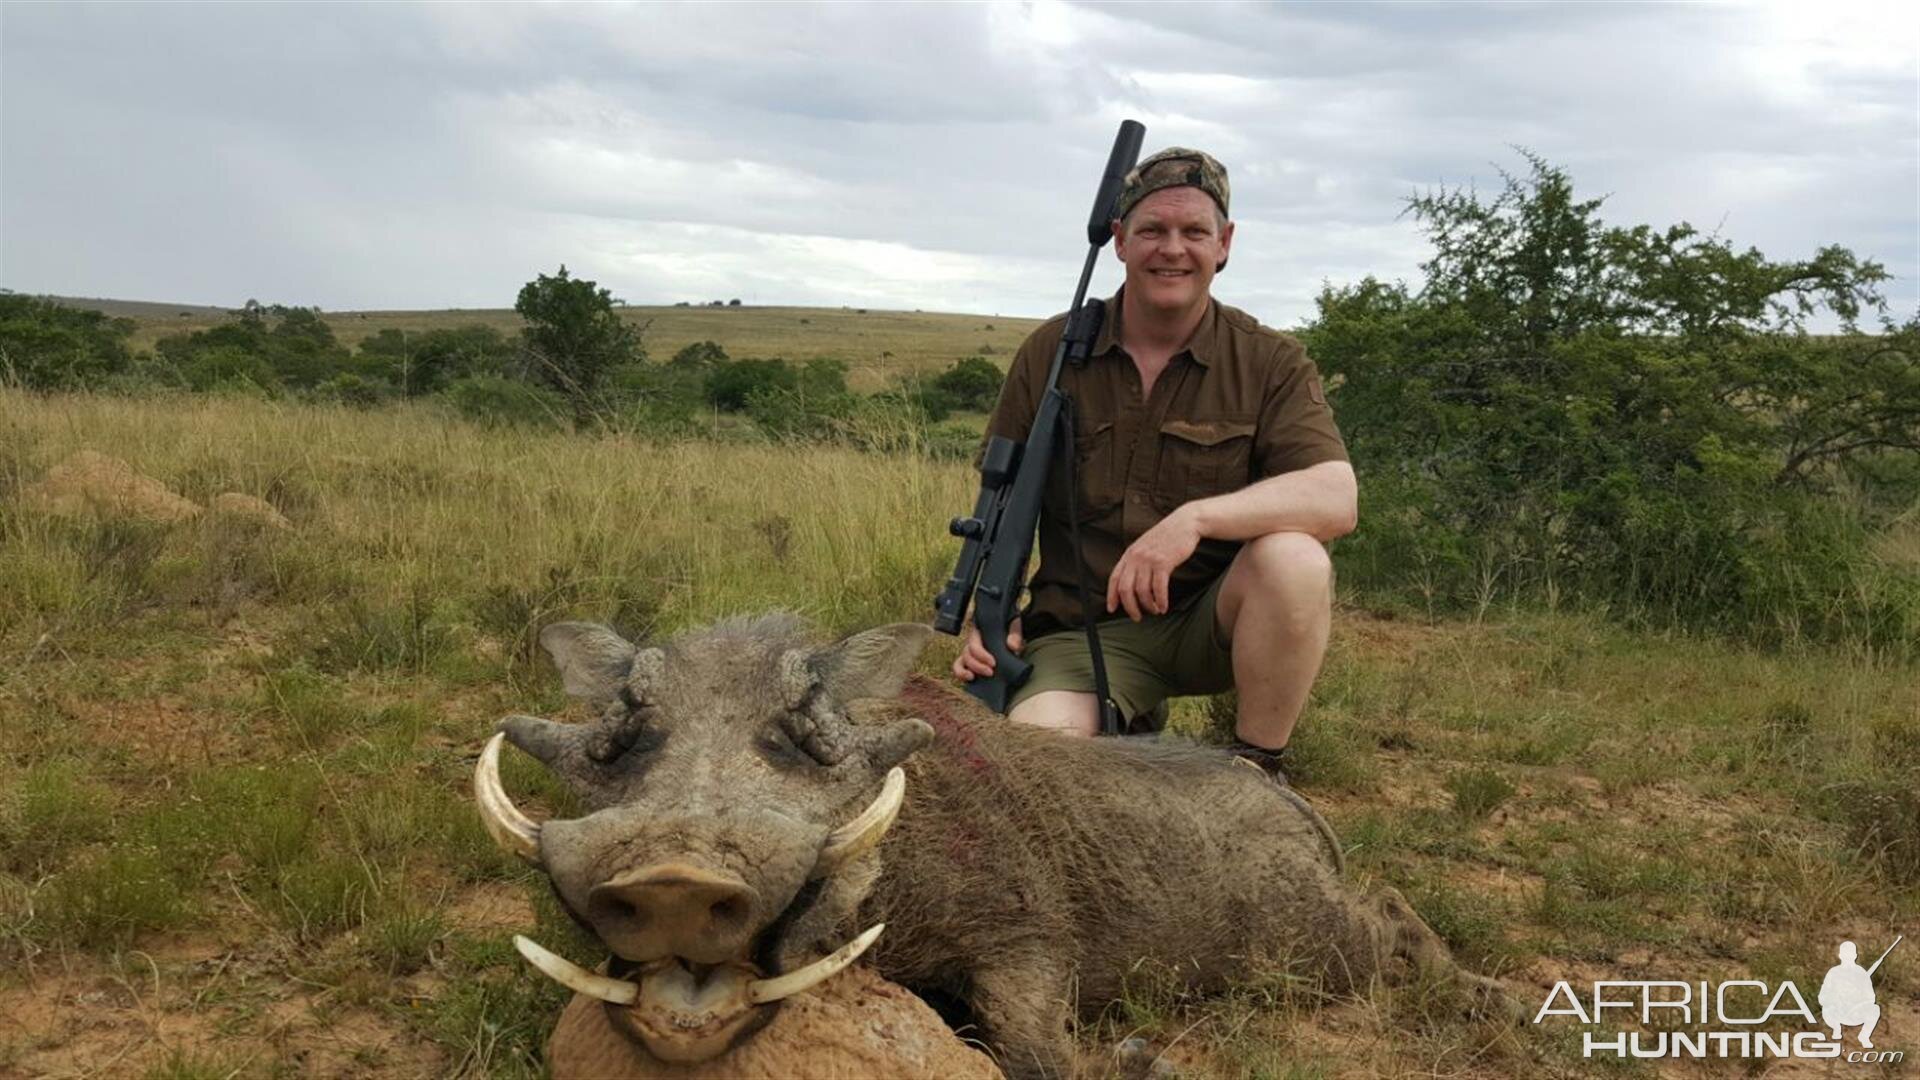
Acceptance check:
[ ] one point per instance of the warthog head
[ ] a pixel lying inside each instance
(733, 793)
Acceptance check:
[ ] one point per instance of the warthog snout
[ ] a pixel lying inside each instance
(675, 909)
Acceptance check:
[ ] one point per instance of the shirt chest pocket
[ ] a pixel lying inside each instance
(1096, 475)
(1200, 458)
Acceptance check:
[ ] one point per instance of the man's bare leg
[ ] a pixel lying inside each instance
(1069, 712)
(1276, 608)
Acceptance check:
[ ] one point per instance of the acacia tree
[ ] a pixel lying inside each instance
(574, 338)
(1639, 412)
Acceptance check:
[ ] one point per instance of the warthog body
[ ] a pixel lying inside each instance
(1028, 875)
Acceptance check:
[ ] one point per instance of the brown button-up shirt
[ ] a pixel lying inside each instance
(1240, 403)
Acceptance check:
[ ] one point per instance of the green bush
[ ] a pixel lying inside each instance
(972, 384)
(497, 402)
(700, 355)
(1567, 409)
(574, 338)
(426, 362)
(46, 345)
(730, 385)
(266, 347)
(350, 389)
(653, 399)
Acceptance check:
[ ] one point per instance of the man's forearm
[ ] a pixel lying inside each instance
(1321, 501)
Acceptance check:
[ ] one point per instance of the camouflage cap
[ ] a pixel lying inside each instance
(1176, 166)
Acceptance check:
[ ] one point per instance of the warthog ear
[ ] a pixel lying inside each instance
(873, 663)
(594, 661)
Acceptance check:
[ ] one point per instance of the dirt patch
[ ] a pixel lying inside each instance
(491, 906)
(192, 999)
(1395, 639)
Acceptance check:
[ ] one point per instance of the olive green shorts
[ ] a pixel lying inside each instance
(1149, 661)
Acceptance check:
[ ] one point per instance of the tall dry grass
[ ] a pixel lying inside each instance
(221, 733)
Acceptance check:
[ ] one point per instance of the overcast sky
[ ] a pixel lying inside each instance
(900, 156)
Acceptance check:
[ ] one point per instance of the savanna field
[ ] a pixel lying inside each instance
(236, 837)
(1623, 681)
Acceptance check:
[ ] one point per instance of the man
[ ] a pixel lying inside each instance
(1210, 478)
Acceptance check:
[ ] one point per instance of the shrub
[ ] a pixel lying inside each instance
(45, 345)
(427, 362)
(701, 355)
(1567, 408)
(263, 347)
(574, 338)
(497, 402)
(729, 385)
(350, 389)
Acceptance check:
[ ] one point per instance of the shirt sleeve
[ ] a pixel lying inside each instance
(1296, 427)
(1012, 414)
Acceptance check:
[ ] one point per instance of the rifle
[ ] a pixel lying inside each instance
(997, 538)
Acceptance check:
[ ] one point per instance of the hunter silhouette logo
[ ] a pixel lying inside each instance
(1728, 1016)
(1846, 997)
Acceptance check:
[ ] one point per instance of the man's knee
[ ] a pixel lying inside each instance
(1066, 711)
(1290, 562)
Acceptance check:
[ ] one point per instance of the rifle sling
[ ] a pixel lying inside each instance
(1110, 723)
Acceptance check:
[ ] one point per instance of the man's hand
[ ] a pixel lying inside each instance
(1139, 580)
(976, 660)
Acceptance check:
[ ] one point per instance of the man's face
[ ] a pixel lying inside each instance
(1171, 245)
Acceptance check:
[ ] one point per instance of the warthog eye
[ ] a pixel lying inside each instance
(623, 731)
(776, 744)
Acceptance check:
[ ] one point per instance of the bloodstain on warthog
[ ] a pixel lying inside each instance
(927, 700)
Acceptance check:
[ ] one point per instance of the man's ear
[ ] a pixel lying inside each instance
(1119, 228)
(1226, 246)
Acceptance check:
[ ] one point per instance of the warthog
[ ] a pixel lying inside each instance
(761, 812)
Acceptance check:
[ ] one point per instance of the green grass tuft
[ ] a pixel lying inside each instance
(1478, 791)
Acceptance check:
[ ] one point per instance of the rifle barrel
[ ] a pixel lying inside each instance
(1883, 956)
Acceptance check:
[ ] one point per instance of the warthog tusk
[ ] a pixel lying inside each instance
(767, 991)
(859, 836)
(509, 828)
(574, 977)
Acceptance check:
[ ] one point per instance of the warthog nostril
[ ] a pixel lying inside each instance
(674, 909)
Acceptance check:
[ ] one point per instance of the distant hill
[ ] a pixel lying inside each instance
(143, 310)
(874, 344)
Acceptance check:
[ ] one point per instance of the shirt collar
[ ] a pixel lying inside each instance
(1202, 346)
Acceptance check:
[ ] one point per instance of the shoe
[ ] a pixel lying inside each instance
(1271, 762)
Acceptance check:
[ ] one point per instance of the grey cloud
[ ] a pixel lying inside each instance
(436, 155)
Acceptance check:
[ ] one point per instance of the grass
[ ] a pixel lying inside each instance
(233, 764)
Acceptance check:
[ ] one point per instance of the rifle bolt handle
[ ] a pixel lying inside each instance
(966, 527)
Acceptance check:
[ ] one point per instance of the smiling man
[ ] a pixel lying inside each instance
(1210, 479)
